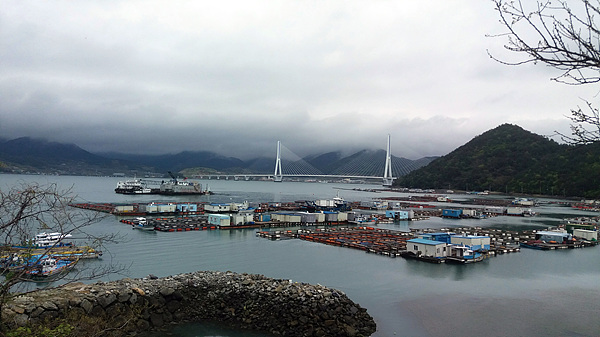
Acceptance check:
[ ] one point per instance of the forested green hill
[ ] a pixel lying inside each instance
(511, 159)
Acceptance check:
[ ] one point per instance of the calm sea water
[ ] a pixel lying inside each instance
(531, 293)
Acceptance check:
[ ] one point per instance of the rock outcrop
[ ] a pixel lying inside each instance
(128, 306)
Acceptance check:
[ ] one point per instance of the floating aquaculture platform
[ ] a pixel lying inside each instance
(369, 239)
(184, 224)
(379, 241)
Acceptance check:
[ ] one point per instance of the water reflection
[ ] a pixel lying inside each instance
(454, 272)
(207, 329)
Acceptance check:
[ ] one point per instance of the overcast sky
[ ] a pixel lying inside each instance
(236, 76)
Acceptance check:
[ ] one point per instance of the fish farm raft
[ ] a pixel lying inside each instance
(353, 225)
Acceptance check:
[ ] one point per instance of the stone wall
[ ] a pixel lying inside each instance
(280, 307)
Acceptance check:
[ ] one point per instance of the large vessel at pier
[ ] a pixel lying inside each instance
(171, 187)
(175, 187)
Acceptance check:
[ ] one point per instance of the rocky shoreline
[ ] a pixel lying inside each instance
(249, 301)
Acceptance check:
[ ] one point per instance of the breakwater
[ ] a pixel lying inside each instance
(248, 301)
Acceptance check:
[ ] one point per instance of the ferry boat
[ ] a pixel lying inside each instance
(45, 240)
(134, 186)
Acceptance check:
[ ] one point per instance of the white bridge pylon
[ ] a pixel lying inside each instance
(387, 177)
(278, 176)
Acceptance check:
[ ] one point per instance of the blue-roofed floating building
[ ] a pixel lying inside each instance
(427, 248)
(399, 214)
(474, 242)
(264, 217)
(452, 213)
(219, 219)
(441, 236)
(187, 207)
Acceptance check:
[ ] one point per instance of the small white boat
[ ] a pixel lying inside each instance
(463, 254)
(363, 220)
(142, 224)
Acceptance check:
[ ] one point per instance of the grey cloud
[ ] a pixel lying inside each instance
(235, 77)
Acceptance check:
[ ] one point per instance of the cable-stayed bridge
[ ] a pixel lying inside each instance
(363, 165)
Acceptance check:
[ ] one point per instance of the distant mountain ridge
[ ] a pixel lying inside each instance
(180, 161)
(35, 155)
(512, 160)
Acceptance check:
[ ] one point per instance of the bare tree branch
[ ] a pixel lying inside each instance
(565, 36)
(26, 210)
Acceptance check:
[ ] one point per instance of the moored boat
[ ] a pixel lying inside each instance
(45, 240)
(463, 255)
(49, 268)
(134, 186)
(337, 203)
(363, 221)
(142, 224)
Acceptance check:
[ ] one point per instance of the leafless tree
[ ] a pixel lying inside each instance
(565, 36)
(29, 208)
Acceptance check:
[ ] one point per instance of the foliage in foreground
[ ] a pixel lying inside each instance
(77, 324)
(27, 209)
(62, 330)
